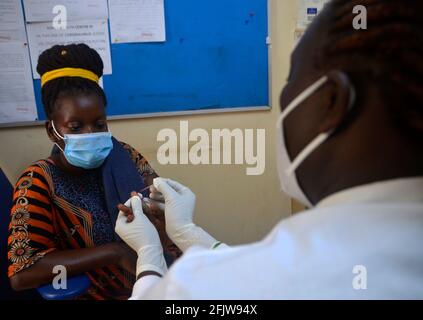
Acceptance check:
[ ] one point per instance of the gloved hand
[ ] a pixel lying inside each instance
(179, 211)
(142, 237)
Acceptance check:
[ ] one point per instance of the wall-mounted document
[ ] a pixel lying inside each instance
(137, 21)
(12, 25)
(308, 10)
(42, 10)
(42, 36)
(17, 101)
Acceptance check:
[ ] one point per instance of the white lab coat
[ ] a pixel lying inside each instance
(375, 231)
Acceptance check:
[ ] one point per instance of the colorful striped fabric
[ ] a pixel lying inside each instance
(41, 222)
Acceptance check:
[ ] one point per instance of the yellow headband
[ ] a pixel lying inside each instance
(68, 72)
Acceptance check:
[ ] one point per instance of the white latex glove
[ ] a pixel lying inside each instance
(179, 211)
(141, 236)
(156, 198)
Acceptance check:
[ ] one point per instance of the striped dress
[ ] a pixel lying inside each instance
(53, 210)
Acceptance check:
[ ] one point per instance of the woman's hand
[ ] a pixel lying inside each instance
(157, 217)
(179, 212)
(142, 237)
(127, 212)
(155, 213)
(179, 204)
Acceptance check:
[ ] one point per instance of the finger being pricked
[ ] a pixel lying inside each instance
(137, 201)
(155, 209)
(127, 212)
(155, 194)
(155, 205)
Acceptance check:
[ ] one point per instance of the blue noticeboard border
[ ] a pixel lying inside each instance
(216, 57)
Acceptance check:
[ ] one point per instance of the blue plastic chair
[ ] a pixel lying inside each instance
(75, 287)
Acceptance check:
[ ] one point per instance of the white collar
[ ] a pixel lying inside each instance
(398, 190)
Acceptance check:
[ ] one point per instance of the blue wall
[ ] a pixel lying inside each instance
(215, 56)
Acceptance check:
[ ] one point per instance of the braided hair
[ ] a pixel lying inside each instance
(69, 56)
(387, 56)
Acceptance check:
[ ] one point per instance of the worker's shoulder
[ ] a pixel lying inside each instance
(359, 218)
(313, 249)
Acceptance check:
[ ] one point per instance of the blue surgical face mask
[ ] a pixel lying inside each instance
(87, 151)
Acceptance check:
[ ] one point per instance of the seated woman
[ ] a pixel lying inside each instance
(65, 206)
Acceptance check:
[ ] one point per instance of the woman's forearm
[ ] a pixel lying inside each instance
(75, 261)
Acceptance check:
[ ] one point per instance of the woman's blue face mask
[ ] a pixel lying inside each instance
(87, 151)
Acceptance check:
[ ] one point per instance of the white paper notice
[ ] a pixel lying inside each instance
(12, 25)
(137, 21)
(42, 10)
(17, 101)
(42, 36)
(308, 10)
